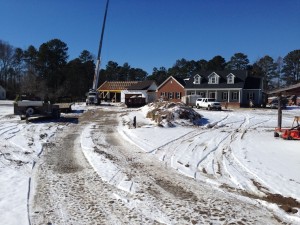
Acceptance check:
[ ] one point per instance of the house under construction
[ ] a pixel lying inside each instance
(111, 90)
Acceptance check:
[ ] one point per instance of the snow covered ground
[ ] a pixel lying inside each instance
(20, 146)
(247, 134)
(234, 149)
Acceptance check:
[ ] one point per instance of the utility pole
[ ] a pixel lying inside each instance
(279, 124)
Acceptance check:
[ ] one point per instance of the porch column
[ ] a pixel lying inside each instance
(260, 97)
(228, 96)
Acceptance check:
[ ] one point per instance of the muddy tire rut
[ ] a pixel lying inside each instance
(67, 190)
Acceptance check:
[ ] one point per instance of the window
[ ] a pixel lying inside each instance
(212, 95)
(197, 79)
(250, 96)
(235, 95)
(202, 94)
(224, 95)
(178, 95)
(170, 95)
(230, 79)
(213, 78)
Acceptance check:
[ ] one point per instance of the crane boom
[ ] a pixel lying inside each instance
(93, 95)
(97, 70)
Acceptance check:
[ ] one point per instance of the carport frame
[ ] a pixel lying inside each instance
(290, 90)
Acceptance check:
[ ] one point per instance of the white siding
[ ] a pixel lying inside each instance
(134, 92)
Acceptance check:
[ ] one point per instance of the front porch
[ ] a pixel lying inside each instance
(228, 98)
(233, 98)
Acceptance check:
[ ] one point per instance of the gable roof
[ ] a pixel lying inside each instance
(230, 75)
(116, 85)
(142, 85)
(213, 74)
(239, 81)
(180, 81)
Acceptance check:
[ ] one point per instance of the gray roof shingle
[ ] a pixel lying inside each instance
(241, 80)
(143, 85)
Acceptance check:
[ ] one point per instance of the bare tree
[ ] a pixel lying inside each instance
(6, 61)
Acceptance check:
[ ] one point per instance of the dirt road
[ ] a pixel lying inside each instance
(67, 190)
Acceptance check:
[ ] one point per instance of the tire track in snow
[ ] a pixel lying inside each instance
(163, 196)
(171, 148)
(211, 156)
(246, 178)
(250, 179)
(6, 130)
(87, 198)
(214, 156)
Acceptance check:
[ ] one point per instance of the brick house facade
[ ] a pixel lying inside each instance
(172, 89)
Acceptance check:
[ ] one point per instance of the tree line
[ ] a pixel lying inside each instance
(46, 71)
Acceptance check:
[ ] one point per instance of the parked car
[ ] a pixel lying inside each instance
(208, 103)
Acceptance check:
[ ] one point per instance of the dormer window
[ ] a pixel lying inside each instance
(197, 79)
(213, 78)
(230, 78)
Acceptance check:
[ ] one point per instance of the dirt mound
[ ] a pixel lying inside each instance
(171, 114)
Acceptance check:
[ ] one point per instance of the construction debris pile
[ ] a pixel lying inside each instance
(170, 114)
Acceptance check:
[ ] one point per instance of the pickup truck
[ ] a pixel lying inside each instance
(29, 108)
(208, 103)
(65, 104)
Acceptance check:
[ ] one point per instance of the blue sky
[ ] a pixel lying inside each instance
(155, 33)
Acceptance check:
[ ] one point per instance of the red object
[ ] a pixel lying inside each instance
(292, 133)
